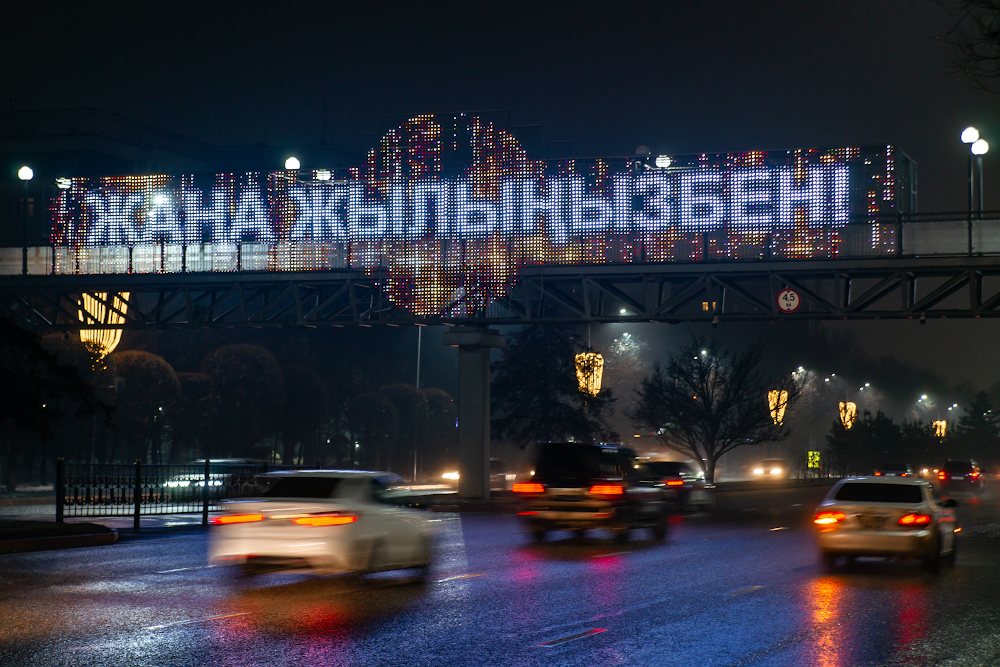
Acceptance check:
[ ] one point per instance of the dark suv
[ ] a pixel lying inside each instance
(961, 476)
(579, 486)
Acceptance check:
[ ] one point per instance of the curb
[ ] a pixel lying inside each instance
(61, 542)
(18, 502)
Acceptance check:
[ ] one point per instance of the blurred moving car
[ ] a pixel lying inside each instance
(221, 472)
(886, 516)
(771, 469)
(331, 521)
(894, 470)
(963, 476)
(685, 487)
(501, 479)
(580, 486)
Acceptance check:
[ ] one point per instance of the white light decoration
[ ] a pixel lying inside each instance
(662, 161)
(25, 173)
(970, 135)
(449, 241)
(980, 146)
(589, 372)
(940, 427)
(64, 183)
(777, 401)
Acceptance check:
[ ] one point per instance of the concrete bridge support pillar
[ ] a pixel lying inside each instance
(474, 346)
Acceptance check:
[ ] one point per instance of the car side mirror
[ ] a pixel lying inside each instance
(949, 502)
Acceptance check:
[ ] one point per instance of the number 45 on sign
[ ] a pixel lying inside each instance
(789, 300)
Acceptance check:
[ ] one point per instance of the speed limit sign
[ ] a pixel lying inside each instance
(789, 300)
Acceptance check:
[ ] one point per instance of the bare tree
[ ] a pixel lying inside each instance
(973, 40)
(707, 402)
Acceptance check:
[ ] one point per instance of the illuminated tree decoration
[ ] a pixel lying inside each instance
(940, 427)
(94, 310)
(589, 371)
(848, 413)
(777, 400)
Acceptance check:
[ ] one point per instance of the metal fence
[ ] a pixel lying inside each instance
(138, 489)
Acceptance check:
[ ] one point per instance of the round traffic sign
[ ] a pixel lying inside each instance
(789, 300)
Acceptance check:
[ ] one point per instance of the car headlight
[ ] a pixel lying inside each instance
(758, 471)
(450, 475)
(775, 471)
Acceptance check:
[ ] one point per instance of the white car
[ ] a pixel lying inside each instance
(331, 521)
(886, 516)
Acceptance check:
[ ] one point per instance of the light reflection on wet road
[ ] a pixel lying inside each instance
(724, 590)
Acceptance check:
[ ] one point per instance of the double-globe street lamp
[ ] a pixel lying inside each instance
(977, 149)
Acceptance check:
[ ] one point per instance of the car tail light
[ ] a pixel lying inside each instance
(828, 518)
(914, 520)
(528, 487)
(675, 482)
(975, 475)
(942, 475)
(325, 520)
(527, 513)
(878, 474)
(236, 518)
(607, 489)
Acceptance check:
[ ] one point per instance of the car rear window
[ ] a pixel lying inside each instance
(958, 466)
(302, 487)
(568, 461)
(893, 466)
(873, 492)
(669, 468)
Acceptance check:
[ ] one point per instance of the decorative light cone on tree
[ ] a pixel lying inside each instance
(589, 372)
(777, 400)
(848, 413)
(94, 310)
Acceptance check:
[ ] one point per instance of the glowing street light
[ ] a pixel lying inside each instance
(292, 163)
(980, 147)
(970, 135)
(25, 173)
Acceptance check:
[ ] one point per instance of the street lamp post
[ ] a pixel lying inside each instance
(970, 135)
(979, 149)
(25, 174)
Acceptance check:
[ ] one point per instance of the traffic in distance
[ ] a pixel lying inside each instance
(356, 522)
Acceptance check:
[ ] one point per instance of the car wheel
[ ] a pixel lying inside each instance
(934, 560)
(829, 559)
(539, 534)
(661, 527)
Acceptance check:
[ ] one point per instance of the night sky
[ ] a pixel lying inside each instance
(677, 77)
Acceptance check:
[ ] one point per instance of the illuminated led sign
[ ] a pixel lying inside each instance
(451, 207)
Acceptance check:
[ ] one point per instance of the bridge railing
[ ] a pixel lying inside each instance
(139, 489)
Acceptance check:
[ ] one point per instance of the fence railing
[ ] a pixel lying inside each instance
(140, 489)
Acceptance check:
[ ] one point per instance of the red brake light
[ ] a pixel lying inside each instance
(528, 487)
(237, 518)
(325, 520)
(607, 489)
(878, 474)
(941, 475)
(827, 518)
(975, 475)
(915, 520)
(675, 482)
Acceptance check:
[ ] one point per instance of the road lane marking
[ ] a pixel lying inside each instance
(613, 553)
(579, 635)
(745, 590)
(185, 569)
(797, 505)
(461, 576)
(196, 620)
(749, 509)
(709, 539)
(779, 528)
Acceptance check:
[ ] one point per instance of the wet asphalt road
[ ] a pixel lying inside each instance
(727, 588)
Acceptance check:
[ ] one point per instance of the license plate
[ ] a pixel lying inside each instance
(871, 522)
(958, 477)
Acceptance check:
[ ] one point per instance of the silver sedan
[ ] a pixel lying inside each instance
(886, 516)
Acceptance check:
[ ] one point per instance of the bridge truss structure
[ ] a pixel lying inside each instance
(717, 292)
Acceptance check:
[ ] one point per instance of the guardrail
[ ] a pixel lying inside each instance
(138, 489)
